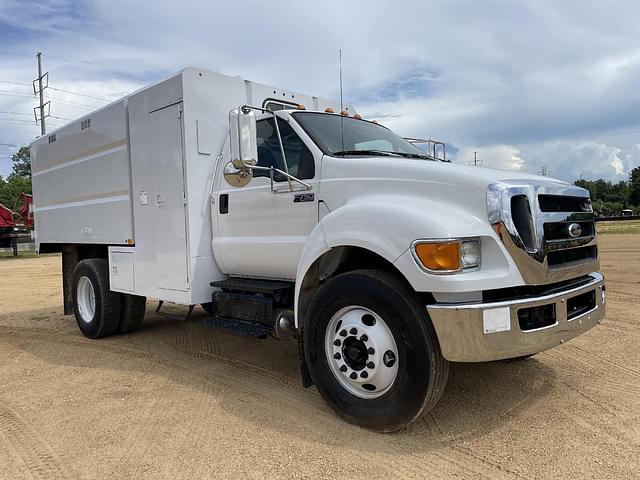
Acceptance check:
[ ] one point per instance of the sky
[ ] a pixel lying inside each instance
(523, 84)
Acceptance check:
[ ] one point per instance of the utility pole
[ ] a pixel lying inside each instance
(475, 162)
(544, 171)
(40, 91)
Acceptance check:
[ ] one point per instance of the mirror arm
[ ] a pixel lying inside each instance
(284, 158)
(290, 178)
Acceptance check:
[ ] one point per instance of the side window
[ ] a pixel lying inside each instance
(299, 158)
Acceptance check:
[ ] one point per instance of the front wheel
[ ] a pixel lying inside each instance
(372, 351)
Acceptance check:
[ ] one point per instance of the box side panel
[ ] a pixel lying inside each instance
(81, 181)
(161, 257)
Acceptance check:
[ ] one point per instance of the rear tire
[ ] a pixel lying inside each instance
(133, 308)
(96, 307)
(360, 300)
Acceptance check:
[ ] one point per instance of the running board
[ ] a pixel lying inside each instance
(250, 285)
(237, 326)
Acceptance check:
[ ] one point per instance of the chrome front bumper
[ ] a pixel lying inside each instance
(483, 332)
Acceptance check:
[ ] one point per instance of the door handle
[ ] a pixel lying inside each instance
(159, 201)
(224, 204)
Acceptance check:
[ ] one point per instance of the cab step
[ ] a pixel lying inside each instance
(256, 307)
(250, 285)
(237, 327)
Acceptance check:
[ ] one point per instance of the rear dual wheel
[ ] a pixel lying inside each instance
(372, 351)
(100, 312)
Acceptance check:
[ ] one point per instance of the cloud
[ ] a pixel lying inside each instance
(590, 160)
(504, 157)
(527, 84)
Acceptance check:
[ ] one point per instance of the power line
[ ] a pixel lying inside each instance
(16, 113)
(80, 94)
(12, 93)
(14, 121)
(16, 83)
(73, 104)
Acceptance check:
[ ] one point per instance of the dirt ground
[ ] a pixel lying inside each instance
(179, 400)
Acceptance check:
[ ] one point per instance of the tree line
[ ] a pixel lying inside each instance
(609, 198)
(19, 180)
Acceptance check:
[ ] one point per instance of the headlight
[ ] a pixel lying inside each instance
(494, 203)
(447, 256)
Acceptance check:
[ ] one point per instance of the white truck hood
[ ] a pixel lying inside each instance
(444, 183)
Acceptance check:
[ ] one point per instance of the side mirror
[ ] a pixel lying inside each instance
(244, 142)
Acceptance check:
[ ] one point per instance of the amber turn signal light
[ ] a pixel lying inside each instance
(441, 257)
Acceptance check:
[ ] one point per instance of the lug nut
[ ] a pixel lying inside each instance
(364, 374)
(353, 331)
(343, 333)
(343, 368)
(371, 351)
(364, 338)
(337, 356)
(353, 375)
(337, 343)
(371, 365)
(389, 358)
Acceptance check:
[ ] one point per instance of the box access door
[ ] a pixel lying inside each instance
(168, 202)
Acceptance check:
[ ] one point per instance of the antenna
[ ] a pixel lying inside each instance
(340, 68)
(341, 108)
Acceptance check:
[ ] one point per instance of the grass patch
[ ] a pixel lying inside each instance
(618, 227)
(8, 255)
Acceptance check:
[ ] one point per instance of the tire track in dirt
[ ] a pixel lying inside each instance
(40, 460)
(271, 390)
(612, 363)
(299, 402)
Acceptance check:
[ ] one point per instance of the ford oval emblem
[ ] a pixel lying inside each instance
(575, 230)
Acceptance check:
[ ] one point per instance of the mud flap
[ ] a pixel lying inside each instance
(307, 381)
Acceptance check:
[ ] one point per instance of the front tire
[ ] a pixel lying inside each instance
(96, 307)
(372, 351)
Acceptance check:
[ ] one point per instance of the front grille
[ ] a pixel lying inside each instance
(562, 203)
(560, 230)
(568, 229)
(560, 258)
(547, 228)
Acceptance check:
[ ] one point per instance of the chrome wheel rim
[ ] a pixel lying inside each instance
(86, 299)
(361, 352)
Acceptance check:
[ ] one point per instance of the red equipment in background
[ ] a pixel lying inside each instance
(16, 224)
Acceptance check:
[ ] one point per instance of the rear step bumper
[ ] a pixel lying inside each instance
(484, 332)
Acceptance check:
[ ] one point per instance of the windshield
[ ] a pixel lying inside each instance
(340, 135)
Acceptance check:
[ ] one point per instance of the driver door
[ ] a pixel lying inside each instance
(259, 233)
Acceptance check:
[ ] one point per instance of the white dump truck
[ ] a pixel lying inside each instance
(281, 217)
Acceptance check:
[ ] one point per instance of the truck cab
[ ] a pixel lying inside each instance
(281, 216)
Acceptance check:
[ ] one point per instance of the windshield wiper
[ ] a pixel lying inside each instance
(413, 155)
(365, 152)
(385, 153)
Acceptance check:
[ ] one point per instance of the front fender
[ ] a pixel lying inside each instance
(387, 225)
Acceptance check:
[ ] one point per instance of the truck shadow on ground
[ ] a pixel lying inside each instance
(258, 382)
